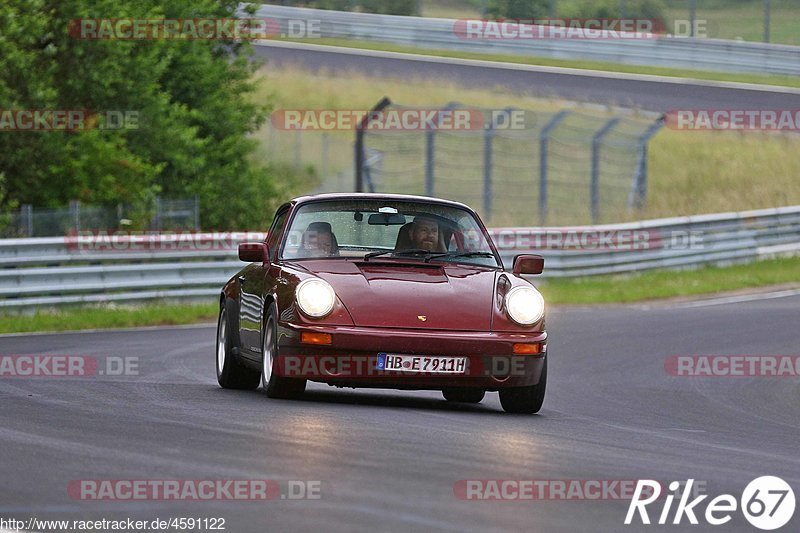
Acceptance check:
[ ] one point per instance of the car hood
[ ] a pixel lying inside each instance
(411, 295)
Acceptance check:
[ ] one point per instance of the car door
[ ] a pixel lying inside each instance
(255, 282)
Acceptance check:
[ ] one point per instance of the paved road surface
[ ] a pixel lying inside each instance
(388, 460)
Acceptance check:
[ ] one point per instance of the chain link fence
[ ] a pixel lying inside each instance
(163, 215)
(564, 167)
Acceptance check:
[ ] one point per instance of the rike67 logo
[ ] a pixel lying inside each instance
(768, 503)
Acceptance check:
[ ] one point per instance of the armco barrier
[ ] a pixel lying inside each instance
(53, 270)
(665, 51)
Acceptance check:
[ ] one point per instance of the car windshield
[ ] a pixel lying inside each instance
(366, 229)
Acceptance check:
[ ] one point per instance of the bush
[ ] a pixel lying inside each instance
(526, 9)
(386, 7)
(192, 97)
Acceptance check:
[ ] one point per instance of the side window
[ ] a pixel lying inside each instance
(275, 232)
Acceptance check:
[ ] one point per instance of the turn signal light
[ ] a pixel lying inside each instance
(528, 349)
(309, 337)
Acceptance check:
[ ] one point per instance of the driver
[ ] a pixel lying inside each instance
(424, 234)
(318, 240)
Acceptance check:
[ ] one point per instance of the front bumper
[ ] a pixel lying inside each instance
(351, 358)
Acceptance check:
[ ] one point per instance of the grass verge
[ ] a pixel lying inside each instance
(761, 79)
(108, 317)
(659, 284)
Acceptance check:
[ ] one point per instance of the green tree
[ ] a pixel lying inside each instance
(191, 96)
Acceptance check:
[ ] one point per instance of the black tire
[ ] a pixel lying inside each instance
(231, 374)
(463, 395)
(525, 400)
(276, 386)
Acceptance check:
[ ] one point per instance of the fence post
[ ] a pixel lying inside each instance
(368, 175)
(26, 212)
(297, 148)
(638, 193)
(544, 140)
(75, 214)
(324, 164)
(488, 137)
(429, 161)
(766, 20)
(158, 214)
(597, 138)
(359, 144)
(196, 213)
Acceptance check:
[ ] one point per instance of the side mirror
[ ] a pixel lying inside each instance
(253, 252)
(528, 264)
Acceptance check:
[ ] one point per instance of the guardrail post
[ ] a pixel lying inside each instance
(488, 137)
(638, 193)
(359, 144)
(597, 138)
(26, 216)
(157, 220)
(75, 214)
(544, 141)
(196, 213)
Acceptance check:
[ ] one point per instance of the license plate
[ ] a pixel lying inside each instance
(423, 364)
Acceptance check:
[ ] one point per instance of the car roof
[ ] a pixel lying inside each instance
(376, 196)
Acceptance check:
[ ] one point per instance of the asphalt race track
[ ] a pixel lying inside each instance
(389, 460)
(606, 88)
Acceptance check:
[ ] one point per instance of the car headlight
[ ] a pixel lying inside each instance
(315, 297)
(525, 305)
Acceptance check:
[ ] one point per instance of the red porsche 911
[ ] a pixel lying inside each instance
(388, 291)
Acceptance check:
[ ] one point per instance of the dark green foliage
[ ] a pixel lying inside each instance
(195, 116)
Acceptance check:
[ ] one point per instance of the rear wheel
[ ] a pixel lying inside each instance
(525, 400)
(274, 385)
(462, 395)
(230, 373)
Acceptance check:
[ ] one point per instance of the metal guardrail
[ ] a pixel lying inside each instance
(664, 51)
(54, 270)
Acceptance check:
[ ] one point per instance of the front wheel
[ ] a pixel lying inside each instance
(230, 373)
(274, 385)
(525, 400)
(463, 395)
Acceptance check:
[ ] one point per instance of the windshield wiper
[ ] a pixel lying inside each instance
(428, 254)
(459, 254)
(412, 251)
